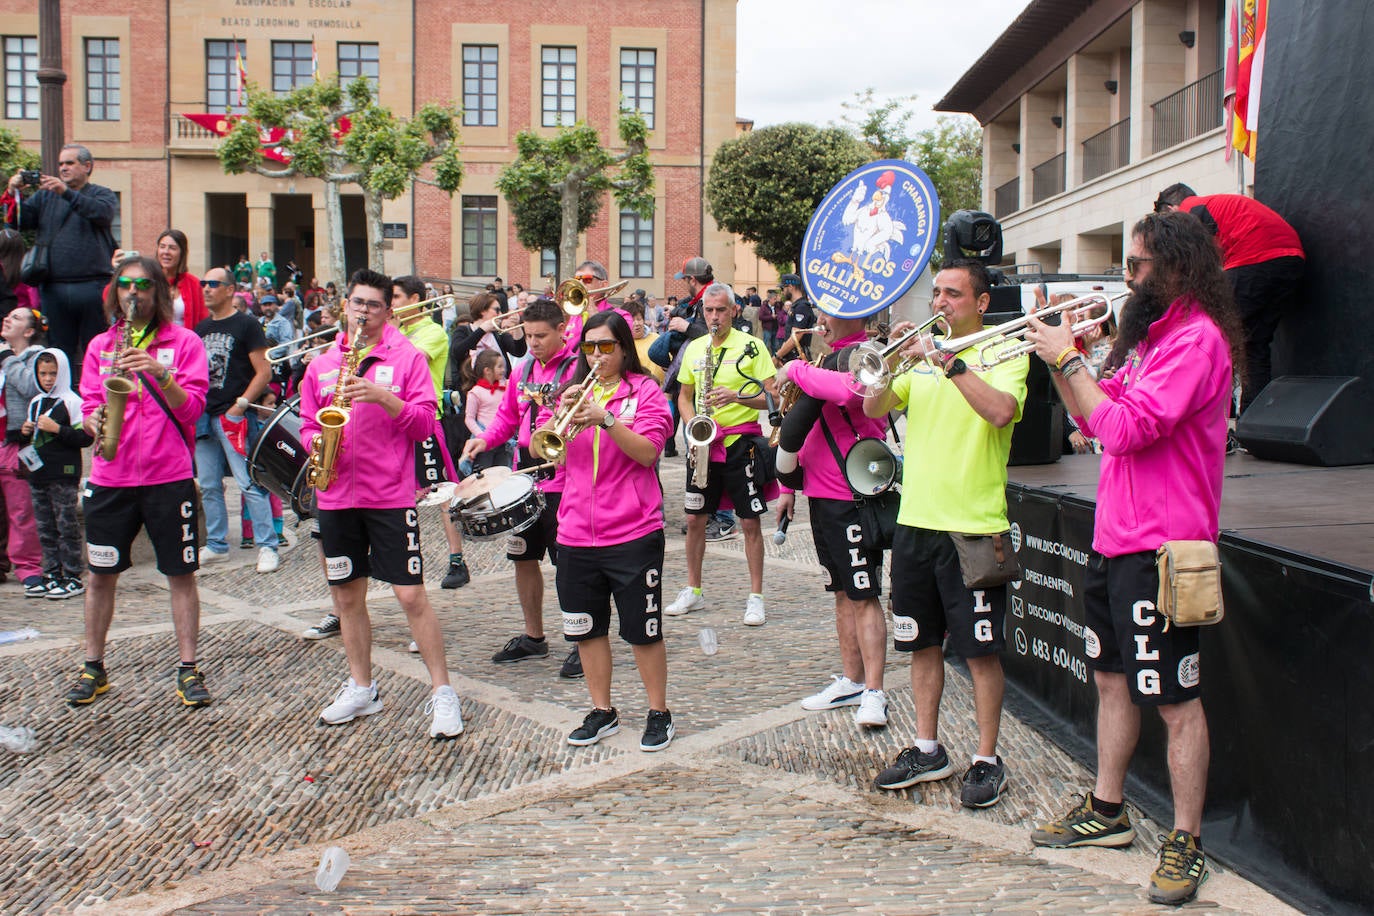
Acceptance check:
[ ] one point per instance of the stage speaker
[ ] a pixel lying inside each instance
(1322, 420)
(1039, 435)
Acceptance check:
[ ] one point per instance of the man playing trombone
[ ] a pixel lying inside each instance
(959, 422)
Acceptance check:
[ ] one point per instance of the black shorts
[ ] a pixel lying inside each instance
(381, 543)
(930, 600)
(1124, 634)
(114, 514)
(429, 464)
(848, 566)
(542, 536)
(632, 573)
(740, 475)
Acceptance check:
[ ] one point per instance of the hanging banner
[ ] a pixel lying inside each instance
(271, 138)
(870, 238)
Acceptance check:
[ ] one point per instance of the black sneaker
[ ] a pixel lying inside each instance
(912, 767)
(1182, 869)
(1085, 827)
(520, 648)
(658, 731)
(599, 724)
(246, 544)
(327, 627)
(983, 784)
(67, 588)
(191, 688)
(457, 575)
(91, 683)
(572, 665)
(38, 586)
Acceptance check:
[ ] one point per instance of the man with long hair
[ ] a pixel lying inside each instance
(1161, 418)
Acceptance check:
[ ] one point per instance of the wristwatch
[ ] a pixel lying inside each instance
(608, 421)
(957, 367)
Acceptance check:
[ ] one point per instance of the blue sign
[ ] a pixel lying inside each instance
(870, 238)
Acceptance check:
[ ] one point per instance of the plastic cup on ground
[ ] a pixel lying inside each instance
(707, 638)
(333, 864)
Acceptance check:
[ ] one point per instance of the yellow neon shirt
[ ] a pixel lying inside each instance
(728, 362)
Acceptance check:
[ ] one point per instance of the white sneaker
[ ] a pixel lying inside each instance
(841, 691)
(872, 711)
(448, 718)
(414, 647)
(208, 556)
(753, 612)
(268, 561)
(353, 701)
(687, 601)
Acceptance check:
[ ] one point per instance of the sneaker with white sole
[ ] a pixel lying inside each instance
(753, 612)
(208, 556)
(327, 627)
(872, 711)
(353, 701)
(686, 602)
(268, 561)
(841, 691)
(598, 724)
(658, 731)
(67, 588)
(447, 712)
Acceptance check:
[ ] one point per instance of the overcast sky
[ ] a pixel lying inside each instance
(799, 59)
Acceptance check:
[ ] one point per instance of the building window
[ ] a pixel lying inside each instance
(360, 59)
(479, 85)
(548, 262)
(102, 79)
(21, 77)
(637, 81)
(479, 235)
(559, 79)
(291, 65)
(636, 245)
(222, 77)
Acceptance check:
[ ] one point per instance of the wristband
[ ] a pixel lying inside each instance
(1065, 354)
(1074, 364)
(164, 381)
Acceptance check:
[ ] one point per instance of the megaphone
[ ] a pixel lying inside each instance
(871, 467)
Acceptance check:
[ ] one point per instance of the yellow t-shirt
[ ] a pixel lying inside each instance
(741, 359)
(430, 339)
(954, 475)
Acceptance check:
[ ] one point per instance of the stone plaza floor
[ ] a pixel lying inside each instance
(137, 805)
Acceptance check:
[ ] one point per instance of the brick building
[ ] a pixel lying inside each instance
(135, 67)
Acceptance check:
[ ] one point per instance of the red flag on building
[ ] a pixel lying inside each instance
(1247, 24)
(242, 74)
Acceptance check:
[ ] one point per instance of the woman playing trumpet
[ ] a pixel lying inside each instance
(610, 539)
(488, 331)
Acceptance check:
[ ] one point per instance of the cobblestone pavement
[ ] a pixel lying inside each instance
(135, 804)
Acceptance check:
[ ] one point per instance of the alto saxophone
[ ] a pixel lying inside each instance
(322, 469)
(118, 387)
(702, 429)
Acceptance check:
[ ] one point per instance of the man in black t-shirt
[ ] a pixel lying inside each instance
(239, 373)
(802, 316)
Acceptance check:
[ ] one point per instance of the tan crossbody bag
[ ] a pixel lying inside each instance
(1189, 583)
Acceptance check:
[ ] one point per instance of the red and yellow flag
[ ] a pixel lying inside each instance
(1245, 72)
(242, 74)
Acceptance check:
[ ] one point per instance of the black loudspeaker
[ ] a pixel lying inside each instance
(1323, 420)
(1039, 435)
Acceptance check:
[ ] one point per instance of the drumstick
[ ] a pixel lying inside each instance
(537, 467)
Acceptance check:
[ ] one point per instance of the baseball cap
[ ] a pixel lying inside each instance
(693, 267)
(790, 280)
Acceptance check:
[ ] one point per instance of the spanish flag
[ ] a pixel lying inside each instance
(314, 59)
(242, 74)
(1245, 72)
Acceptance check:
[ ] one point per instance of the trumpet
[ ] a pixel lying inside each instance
(1005, 342)
(574, 296)
(869, 372)
(551, 444)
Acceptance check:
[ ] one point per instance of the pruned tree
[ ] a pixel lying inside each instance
(764, 185)
(377, 151)
(883, 126)
(561, 182)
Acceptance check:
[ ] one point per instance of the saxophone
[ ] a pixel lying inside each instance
(702, 429)
(118, 387)
(322, 468)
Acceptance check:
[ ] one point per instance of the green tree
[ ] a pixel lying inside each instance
(13, 157)
(765, 185)
(561, 182)
(951, 153)
(380, 153)
(884, 127)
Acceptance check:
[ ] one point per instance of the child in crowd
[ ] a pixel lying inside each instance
(54, 470)
(483, 399)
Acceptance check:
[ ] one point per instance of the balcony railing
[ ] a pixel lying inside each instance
(1047, 179)
(1193, 110)
(1107, 150)
(1007, 198)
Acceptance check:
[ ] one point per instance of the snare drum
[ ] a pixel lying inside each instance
(512, 506)
(278, 461)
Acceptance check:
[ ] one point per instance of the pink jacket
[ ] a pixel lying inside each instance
(610, 497)
(822, 478)
(533, 379)
(1163, 434)
(377, 459)
(152, 450)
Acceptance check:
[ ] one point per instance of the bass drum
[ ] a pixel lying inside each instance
(278, 460)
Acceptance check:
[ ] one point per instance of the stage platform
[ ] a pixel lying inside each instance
(1321, 512)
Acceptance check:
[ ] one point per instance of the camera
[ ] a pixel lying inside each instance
(30, 177)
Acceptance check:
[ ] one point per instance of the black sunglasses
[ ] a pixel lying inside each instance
(1133, 264)
(214, 284)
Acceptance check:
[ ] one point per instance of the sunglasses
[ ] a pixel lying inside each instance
(141, 284)
(214, 284)
(605, 347)
(1133, 264)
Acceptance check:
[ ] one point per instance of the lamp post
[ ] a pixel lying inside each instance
(50, 80)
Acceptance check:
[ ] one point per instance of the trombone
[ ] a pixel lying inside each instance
(290, 345)
(1005, 342)
(574, 296)
(423, 307)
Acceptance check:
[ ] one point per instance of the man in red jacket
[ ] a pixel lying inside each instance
(1263, 259)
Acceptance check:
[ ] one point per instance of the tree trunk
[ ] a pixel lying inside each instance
(376, 245)
(567, 246)
(333, 213)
